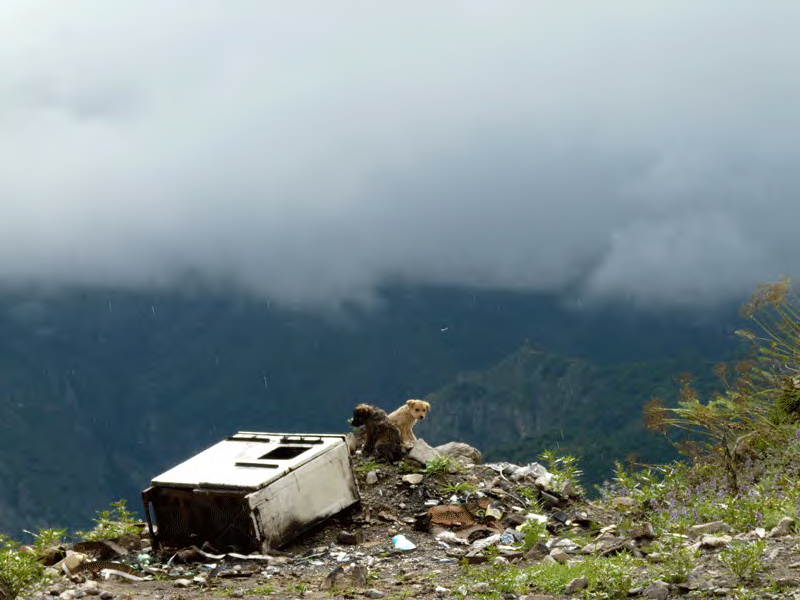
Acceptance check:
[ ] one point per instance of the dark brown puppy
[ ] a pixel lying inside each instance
(381, 437)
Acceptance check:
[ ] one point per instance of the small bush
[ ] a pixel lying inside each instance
(677, 561)
(564, 470)
(367, 466)
(458, 487)
(609, 577)
(20, 570)
(535, 531)
(112, 523)
(48, 538)
(442, 464)
(744, 559)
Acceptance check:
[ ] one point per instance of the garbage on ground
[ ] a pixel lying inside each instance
(251, 492)
(458, 516)
(401, 542)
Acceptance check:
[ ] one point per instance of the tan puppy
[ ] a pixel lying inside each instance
(405, 417)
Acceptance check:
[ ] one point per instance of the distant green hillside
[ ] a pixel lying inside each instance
(100, 390)
(533, 401)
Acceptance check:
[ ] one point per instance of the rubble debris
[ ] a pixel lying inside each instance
(352, 575)
(709, 528)
(451, 515)
(71, 562)
(485, 513)
(251, 492)
(413, 478)
(783, 528)
(401, 542)
(349, 538)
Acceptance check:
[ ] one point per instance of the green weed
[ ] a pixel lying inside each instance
(20, 570)
(677, 559)
(442, 464)
(744, 559)
(564, 469)
(112, 523)
(458, 487)
(48, 538)
(535, 531)
(609, 577)
(367, 466)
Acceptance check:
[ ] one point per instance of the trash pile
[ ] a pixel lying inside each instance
(416, 522)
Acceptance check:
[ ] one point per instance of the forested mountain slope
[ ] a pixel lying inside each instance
(100, 390)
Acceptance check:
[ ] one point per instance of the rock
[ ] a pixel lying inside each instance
(538, 552)
(441, 591)
(373, 593)
(237, 594)
(480, 588)
(483, 543)
(658, 590)
(604, 541)
(450, 537)
(786, 581)
(623, 502)
(344, 577)
(91, 588)
(548, 500)
(568, 489)
(422, 452)
(371, 478)
(565, 544)
(783, 528)
(559, 555)
(463, 453)
(106, 595)
(642, 532)
(707, 528)
(349, 538)
(711, 542)
(68, 595)
(576, 585)
(413, 478)
(182, 583)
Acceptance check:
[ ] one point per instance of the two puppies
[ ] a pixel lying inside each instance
(388, 436)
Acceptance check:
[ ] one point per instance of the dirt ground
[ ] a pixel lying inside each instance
(350, 554)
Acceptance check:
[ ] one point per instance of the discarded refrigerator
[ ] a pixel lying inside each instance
(251, 492)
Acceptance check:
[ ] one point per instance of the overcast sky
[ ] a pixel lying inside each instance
(309, 151)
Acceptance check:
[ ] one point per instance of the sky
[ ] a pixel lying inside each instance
(310, 152)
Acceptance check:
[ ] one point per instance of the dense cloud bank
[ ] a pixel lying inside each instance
(309, 151)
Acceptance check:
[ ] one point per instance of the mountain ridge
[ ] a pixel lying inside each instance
(100, 390)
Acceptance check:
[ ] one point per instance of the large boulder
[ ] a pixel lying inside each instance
(422, 452)
(463, 453)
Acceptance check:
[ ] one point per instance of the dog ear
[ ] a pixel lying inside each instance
(427, 405)
(410, 403)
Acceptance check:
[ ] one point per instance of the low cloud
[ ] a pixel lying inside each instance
(309, 152)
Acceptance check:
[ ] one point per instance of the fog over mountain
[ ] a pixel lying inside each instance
(311, 151)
